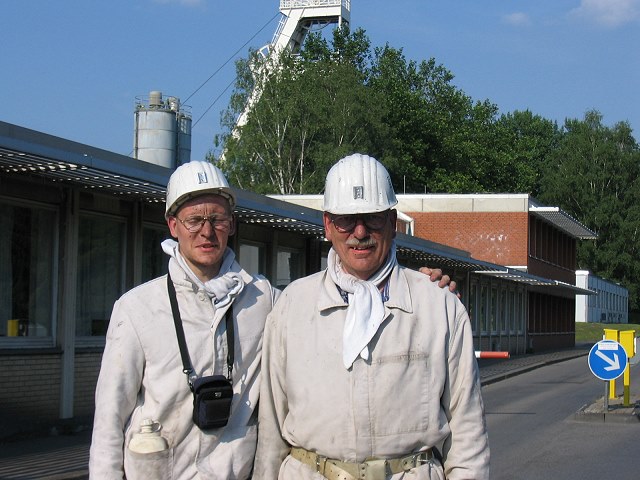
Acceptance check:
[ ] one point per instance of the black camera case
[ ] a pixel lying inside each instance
(212, 401)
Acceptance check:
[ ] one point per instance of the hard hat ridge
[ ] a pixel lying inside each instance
(193, 179)
(358, 184)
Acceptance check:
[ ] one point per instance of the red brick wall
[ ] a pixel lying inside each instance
(496, 237)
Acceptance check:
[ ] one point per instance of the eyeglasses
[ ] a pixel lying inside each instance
(195, 223)
(347, 223)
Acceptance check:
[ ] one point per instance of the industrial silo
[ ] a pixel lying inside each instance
(162, 130)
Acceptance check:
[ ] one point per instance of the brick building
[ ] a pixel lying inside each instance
(516, 231)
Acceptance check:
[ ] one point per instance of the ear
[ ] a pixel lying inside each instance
(326, 219)
(172, 223)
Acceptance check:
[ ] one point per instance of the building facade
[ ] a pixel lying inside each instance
(516, 231)
(609, 305)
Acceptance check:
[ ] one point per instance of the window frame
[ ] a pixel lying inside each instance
(99, 340)
(48, 341)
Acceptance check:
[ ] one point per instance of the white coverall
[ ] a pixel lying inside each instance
(141, 377)
(419, 389)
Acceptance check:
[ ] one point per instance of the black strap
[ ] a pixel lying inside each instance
(228, 318)
(184, 352)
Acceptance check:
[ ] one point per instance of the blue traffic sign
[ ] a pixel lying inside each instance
(607, 359)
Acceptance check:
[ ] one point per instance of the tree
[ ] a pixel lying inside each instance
(339, 97)
(529, 140)
(593, 175)
(313, 109)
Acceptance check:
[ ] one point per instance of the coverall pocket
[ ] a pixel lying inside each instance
(400, 384)
(149, 466)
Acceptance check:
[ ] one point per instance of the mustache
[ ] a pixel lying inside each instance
(364, 243)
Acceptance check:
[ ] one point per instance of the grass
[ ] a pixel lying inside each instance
(593, 332)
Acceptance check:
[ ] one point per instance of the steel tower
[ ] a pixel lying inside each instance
(299, 17)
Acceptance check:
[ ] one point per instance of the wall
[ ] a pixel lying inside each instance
(497, 237)
(30, 393)
(610, 305)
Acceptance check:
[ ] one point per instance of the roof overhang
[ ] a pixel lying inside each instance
(563, 221)
(435, 254)
(25, 152)
(533, 280)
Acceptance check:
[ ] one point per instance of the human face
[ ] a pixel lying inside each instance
(203, 250)
(362, 250)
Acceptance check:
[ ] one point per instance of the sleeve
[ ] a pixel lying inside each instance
(118, 386)
(466, 450)
(272, 448)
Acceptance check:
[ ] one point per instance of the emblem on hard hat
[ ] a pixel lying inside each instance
(202, 177)
(358, 192)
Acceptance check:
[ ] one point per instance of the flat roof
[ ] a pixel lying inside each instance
(563, 221)
(494, 202)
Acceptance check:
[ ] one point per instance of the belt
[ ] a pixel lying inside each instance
(370, 469)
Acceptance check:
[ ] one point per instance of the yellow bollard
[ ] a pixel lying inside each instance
(611, 334)
(628, 342)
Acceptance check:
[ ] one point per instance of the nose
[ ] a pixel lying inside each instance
(360, 230)
(207, 229)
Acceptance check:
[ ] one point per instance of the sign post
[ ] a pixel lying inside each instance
(607, 361)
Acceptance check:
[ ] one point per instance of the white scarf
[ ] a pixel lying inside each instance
(366, 310)
(221, 289)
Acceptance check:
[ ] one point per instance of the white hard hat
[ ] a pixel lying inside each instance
(193, 179)
(358, 184)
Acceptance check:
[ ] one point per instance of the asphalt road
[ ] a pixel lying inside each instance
(530, 403)
(534, 436)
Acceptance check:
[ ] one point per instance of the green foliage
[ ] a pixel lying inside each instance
(341, 96)
(593, 174)
(313, 109)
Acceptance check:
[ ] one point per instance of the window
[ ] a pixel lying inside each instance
(513, 312)
(252, 257)
(154, 261)
(482, 311)
(101, 257)
(27, 264)
(493, 310)
(472, 309)
(289, 266)
(521, 312)
(503, 319)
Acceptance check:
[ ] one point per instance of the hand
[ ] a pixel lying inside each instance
(435, 274)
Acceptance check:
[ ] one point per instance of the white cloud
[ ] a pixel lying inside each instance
(608, 13)
(516, 19)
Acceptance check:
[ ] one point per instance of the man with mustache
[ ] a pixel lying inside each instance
(373, 376)
(144, 426)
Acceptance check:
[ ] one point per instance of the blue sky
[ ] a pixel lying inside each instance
(74, 68)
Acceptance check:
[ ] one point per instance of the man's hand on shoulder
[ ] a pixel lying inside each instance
(436, 275)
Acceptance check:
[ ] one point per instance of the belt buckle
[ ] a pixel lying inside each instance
(373, 469)
(321, 460)
(416, 459)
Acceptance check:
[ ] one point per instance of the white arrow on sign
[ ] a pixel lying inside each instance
(614, 364)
